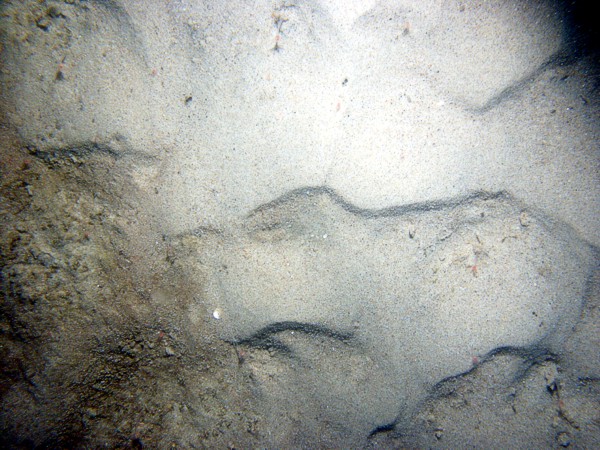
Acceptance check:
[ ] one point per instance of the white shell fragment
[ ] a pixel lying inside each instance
(217, 313)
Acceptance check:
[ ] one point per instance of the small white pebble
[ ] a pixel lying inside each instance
(325, 236)
(217, 313)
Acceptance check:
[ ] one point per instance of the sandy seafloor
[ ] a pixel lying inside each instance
(299, 224)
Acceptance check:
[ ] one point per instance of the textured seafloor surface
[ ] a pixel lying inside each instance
(299, 224)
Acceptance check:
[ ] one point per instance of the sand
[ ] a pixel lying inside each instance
(341, 224)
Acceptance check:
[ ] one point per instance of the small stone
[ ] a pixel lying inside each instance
(169, 351)
(438, 434)
(524, 219)
(563, 439)
(43, 22)
(550, 375)
(412, 231)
